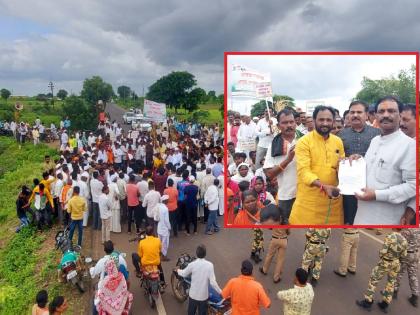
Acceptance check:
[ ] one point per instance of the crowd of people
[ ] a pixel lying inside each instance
(296, 162)
(168, 179)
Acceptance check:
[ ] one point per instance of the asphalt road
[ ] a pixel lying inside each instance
(116, 113)
(333, 295)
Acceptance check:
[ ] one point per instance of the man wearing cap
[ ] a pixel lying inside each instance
(191, 192)
(164, 227)
(246, 294)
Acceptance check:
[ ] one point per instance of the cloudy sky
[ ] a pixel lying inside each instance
(334, 80)
(134, 42)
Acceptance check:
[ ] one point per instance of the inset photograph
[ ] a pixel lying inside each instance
(319, 139)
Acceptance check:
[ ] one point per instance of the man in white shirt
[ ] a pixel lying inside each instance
(390, 169)
(64, 140)
(301, 127)
(96, 190)
(164, 226)
(150, 201)
(84, 192)
(265, 135)
(118, 155)
(91, 139)
(283, 166)
(177, 157)
(211, 199)
(298, 301)
(201, 272)
(247, 132)
(105, 206)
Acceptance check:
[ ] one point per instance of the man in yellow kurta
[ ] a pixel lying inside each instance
(317, 157)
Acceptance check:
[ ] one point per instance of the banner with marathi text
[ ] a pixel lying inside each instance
(154, 111)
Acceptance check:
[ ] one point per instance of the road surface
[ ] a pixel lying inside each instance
(333, 295)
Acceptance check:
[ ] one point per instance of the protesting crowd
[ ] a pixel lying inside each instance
(295, 165)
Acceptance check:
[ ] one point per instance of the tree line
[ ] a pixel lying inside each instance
(178, 90)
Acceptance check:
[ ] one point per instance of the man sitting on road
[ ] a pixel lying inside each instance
(247, 295)
(148, 254)
(201, 272)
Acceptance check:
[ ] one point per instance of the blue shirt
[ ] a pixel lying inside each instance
(217, 169)
(181, 187)
(190, 193)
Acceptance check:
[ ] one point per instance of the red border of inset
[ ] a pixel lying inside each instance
(416, 54)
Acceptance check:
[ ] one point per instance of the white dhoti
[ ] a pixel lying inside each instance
(115, 221)
(86, 214)
(164, 239)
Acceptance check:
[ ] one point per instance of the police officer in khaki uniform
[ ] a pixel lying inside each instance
(394, 248)
(277, 247)
(315, 250)
(349, 245)
(411, 263)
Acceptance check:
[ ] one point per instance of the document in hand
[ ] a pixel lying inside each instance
(352, 178)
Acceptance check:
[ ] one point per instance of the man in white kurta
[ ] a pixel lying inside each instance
(247, 132)
(164, 227)
(114, 194)
(390, 170)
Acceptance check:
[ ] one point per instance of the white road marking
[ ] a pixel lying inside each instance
(160, 307)
(371, 236)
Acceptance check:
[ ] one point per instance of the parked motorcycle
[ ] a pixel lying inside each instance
(73, 264)
(181, 286)
(150, 277)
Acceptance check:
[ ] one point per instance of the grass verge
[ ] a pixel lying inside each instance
(28, 260)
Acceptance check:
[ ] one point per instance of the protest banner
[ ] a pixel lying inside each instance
(154, 111)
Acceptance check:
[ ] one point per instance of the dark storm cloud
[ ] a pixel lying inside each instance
(136, 42)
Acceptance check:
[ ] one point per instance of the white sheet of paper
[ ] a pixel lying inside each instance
(352, 178)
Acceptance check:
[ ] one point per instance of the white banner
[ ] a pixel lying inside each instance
(263, 90)
(242, 88)
(154, 111)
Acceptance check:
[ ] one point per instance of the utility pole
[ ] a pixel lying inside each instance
(51, 86)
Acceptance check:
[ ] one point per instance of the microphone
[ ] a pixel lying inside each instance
(335, 193)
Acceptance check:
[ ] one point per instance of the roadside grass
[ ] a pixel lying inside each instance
(32, 108)
(28, 259)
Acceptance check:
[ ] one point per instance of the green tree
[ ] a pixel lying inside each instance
(124, 91)
(193, 98)
(172, 89)
(211, 94)
(95, 89)
(81, 114)
(403, 86)
(200, 116)
(5, 94)
(62, 94)
(221, 101)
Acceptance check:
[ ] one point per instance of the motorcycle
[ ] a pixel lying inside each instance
(216, 305)
(73, 264)
(150, 277)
